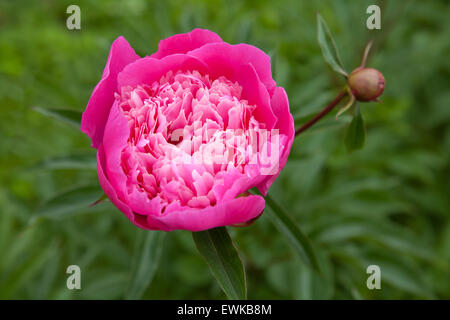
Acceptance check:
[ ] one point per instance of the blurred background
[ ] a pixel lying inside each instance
(387, 204)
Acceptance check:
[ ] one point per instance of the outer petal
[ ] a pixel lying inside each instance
(110, 152)
(223, 59)
(232, 183)
(108, 188)
(147, 70)
(121, 205)
(280, 106)
(114, 141)
(234, 211)
(94, 117)
(255, 93)
(185, 42)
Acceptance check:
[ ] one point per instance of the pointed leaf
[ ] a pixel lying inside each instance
(76, 161)
(347, 106)
(102, 198)
(273, 54)
(328, 46)
(219, 252)
(69, 116)
(293, 233)
(68, 202)
(147, 254)
(366, 54)
(29, 269)
(356, 133)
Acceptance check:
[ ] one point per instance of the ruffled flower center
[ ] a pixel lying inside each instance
(184, 134)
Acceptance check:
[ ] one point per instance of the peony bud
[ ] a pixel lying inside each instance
(366, 84)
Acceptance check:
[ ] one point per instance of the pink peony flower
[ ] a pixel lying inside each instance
(184, 133)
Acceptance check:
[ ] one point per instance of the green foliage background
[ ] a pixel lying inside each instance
(387, 204)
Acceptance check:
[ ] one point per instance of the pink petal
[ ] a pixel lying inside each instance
(280, 106)
(256, 94)
(107, 188)
(142, 221)
(234, 211)
(97, 111)
(223, 59)
(146, 223)
(185, 42)
(114, 141)
(147, 70)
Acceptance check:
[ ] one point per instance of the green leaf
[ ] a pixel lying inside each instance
(293, 233)
(147, 254)
(273, 54)
(244, 30)
(107, 284)
(394, 238)
(102, 198)
(69, 116)
(68, 202)
(219, 252)
(347, 106)
(76, 161)
(29, 269)
(356, 133)
(328, 46)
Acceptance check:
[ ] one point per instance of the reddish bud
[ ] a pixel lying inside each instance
(366, 84)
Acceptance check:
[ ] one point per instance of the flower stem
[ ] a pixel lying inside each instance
(322, 113)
